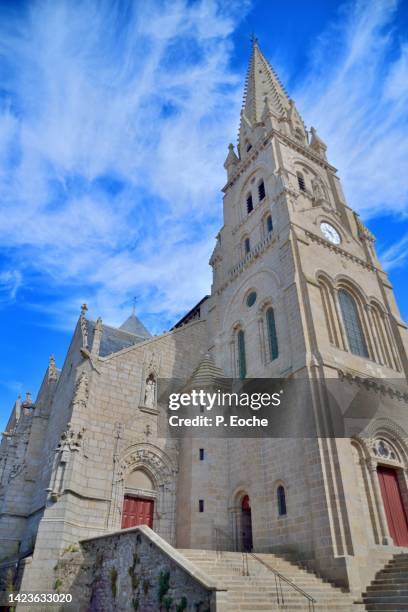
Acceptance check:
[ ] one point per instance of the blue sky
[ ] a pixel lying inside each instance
(115, 118)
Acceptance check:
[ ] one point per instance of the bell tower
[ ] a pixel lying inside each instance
(296, 280)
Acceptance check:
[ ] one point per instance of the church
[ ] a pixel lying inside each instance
(297, 293)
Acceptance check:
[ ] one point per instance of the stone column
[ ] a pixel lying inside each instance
(264, 351)
(372, 468)
(343, 344)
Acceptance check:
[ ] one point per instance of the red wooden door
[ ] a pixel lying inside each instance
(393, 504)
(137, 511)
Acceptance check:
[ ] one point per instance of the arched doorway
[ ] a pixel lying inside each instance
(246, 523)
(138, 501)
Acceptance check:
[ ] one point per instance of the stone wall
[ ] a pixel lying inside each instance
(134, 569)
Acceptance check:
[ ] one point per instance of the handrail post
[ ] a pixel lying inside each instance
(279, 578)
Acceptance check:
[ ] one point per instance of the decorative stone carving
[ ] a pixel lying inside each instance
(150, 392)
(363, 231)
(384, 450)
(317, 145)
(319, 192)
(52, 370)
(81, 391)
(16, 470)
(160, 469)
(70, 440)
(84, 327)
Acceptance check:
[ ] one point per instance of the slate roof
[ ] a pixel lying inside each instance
(115, 339)
(134, 326)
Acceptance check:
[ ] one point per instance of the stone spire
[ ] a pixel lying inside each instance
(266, 103)
(261, 82)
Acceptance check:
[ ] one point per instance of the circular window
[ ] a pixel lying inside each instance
(251, 299)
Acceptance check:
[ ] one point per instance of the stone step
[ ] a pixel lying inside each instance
(395, 571)
(311, 587)
(271, 592)
(390, 607)
(403, 599)
(389, 589)
(386, 581)
(258, 590)
(290, 606)
(402, 590)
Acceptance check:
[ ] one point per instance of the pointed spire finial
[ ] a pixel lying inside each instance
(52, 369)
(134, 305)
(261, 81)
(84, 330)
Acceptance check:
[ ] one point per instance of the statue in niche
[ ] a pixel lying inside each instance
(150, 392)
(318, 190)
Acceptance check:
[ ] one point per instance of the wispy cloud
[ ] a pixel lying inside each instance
(113, 129)
(114, 120)
(356, 93)
(10, 282)
(396, 255)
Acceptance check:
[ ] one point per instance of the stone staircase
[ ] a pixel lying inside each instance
(389, 589)
(262, 589)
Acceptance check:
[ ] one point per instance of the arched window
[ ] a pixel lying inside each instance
(301, 181)
(352, 324)
(248, 146)
(269, 224)
(247, 245)
(272, 337)
(261, 191)
(241, 354)
(280, 493)
(249, 203)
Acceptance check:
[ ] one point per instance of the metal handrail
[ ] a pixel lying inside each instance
(311, 600)
(279, 578)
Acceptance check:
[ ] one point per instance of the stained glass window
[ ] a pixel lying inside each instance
(352, 324)
(272, 337)
(241, 354)
(251, 299)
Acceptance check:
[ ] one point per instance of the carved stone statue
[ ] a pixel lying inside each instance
(150, 392)
(318, 190)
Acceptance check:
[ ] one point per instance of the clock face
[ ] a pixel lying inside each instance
(330, 233)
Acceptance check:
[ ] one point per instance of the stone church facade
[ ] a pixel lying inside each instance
(297, 292)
